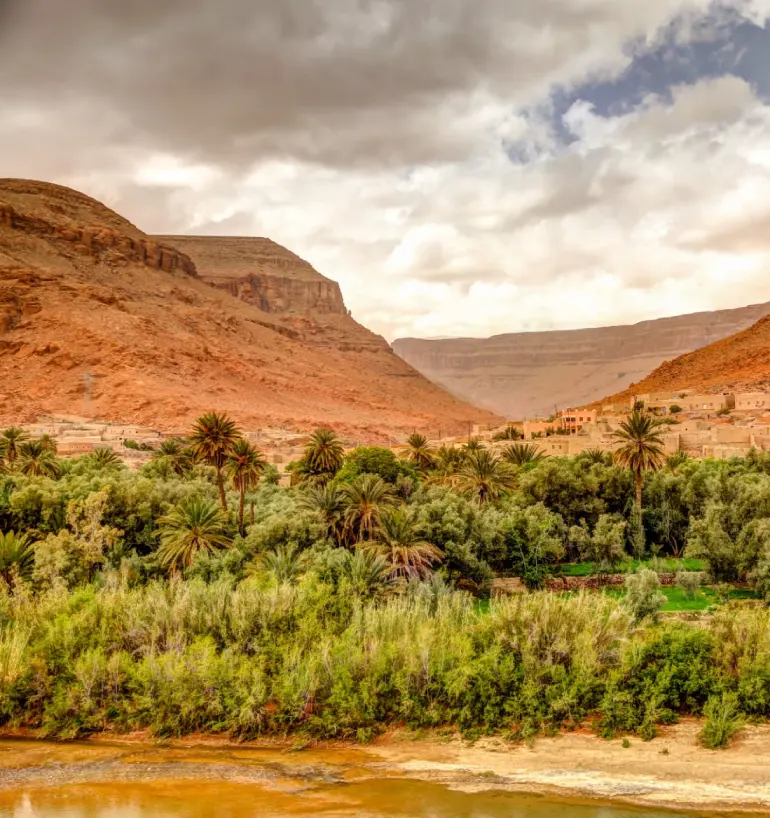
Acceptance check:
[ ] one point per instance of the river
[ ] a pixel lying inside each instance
(80, 780)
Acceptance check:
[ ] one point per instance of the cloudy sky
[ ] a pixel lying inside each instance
(461, 167)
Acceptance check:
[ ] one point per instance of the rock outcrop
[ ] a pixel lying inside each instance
(528, 374)
(111, 245)
(261, 272)
(153, 326)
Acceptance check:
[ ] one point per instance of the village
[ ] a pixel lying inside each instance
(718, 426)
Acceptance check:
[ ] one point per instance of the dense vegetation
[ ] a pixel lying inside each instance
(195, 593)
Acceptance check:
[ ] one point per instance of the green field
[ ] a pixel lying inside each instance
(704, 599)
(677, 601)
(587, 569)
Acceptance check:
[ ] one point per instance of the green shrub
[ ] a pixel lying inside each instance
(509, 433)
(689, 582)
(319, 641)
(723, 721)
(723, 591)
(374, 460)
(643, 597)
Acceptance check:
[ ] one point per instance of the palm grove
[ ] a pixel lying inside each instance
(195, 593)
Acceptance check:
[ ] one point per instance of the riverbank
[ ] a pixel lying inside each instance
(671, 771)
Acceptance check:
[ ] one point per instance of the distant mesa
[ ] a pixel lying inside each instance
(171, 326)
(529, 374)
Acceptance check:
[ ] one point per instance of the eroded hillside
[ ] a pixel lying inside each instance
(739, 363)
(167, 328)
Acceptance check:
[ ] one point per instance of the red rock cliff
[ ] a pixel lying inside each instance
(85, 292)
(261, 272)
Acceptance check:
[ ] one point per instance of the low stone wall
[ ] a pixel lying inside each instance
(596, 581)
(506, 586)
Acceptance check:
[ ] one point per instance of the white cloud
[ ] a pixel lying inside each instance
(618, 229)
(374, 144)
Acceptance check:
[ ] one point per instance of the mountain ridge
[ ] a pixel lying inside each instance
(533, 373)
(84, 293)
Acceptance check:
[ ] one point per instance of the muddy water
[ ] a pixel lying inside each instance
(108, 781)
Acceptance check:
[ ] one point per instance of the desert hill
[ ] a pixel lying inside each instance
(528, 374)
(168, 328)
(739, 363)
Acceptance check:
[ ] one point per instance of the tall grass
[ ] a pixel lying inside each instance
(252, 658)
(13, 646)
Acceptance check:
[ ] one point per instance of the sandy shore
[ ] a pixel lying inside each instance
(670, 771)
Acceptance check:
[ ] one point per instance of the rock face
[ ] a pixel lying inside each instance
(164, 329)
(112, 240)
(261, 272)
(528, 374)
(739, 363)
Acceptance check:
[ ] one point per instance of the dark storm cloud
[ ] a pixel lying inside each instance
(344, 83)
(6, 8)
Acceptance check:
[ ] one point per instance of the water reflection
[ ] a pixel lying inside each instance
(374, 798)
(39, 780)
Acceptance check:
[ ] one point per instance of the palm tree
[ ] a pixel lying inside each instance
(12, 438)
(213, 438)
(448, 461)
(674, 461)
(324, 453)
(35, 460)
(642, 447)
(104, 458)
(519, 454)
(419, 452)
(473, 445)
(369, 574)
(596, 455)
(484, 477)
(398, 541)
(16, 558)
(365, 499)
(245, 465)
(174, 456)
(327, 502)
(49, 443)
(284, 563)
(191, 526)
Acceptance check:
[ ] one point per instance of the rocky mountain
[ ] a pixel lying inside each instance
(527, 374)
(739, 363)
(161, 329)
(262, 273)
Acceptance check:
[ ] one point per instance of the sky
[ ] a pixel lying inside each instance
(461, 167)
